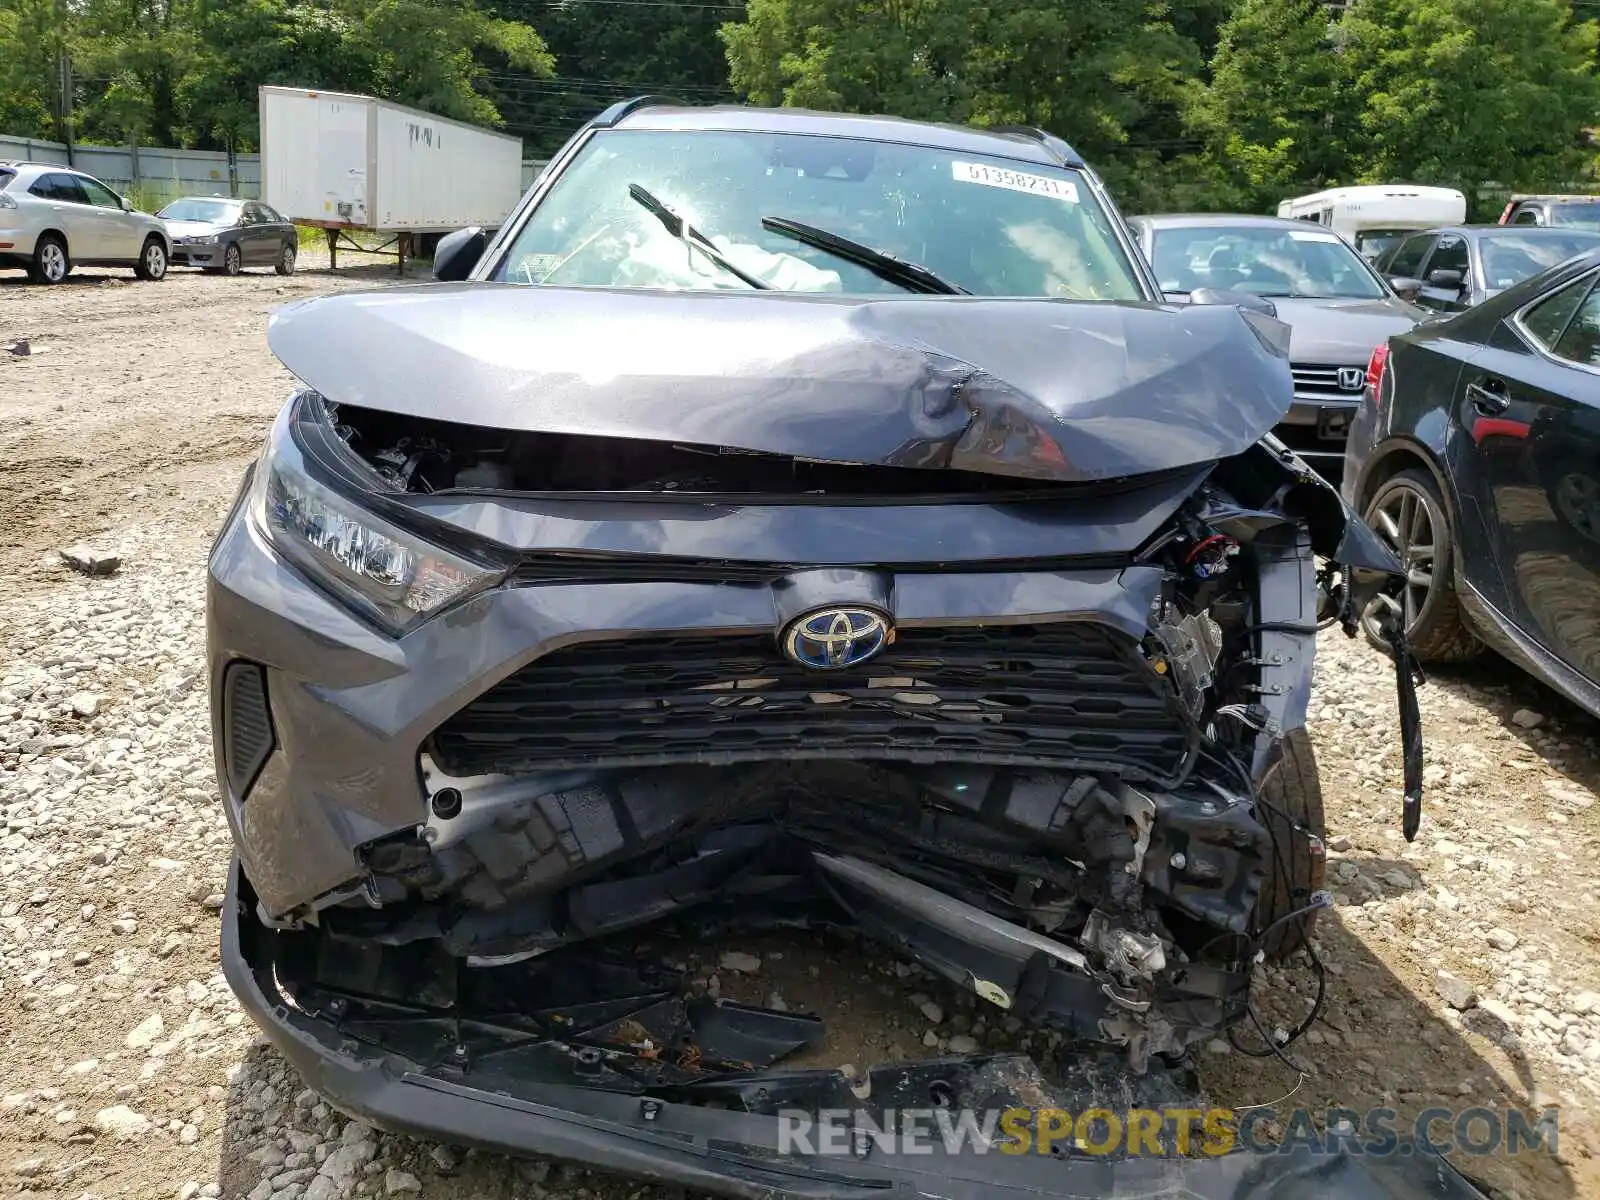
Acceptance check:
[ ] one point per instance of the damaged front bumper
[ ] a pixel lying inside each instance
(618, 1071)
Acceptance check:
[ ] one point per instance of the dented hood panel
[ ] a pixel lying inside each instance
(1045, 389)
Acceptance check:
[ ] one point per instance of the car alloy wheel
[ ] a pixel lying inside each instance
(1404, 521)
(286, 261)
(232, 262)
(52, 262)
(152, 265)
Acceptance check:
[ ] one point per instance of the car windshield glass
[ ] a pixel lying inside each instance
(992, 226)
(1374, 243)
(1510, 258)
(1581, 216)
(214, 212)
(1263, 260)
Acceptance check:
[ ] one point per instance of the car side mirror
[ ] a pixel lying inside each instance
(127, 205)
(457, 253)
(1449, 280)
(1405, 287)
(1248, 300)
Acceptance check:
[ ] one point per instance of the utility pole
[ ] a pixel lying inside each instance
(65, 132)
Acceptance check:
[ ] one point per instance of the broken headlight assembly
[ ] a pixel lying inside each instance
(389, 574)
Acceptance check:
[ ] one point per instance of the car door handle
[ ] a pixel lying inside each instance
(1488, 396)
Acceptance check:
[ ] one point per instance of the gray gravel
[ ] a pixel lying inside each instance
(1464, 965)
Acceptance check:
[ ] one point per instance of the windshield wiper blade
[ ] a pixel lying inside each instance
(911, 276)
(689, 235)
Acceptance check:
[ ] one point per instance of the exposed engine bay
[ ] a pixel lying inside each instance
(1085, 829)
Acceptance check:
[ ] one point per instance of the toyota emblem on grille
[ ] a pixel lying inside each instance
(1352, 379)
(830, 639)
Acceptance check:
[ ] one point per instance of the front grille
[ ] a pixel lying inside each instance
(1073, 694)
(1318, 379)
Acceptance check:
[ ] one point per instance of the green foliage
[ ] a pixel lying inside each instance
(185, 72)
(1460, 91)
(1277, 116)
(28, 56)
(604, 53)
(1100, 73)
(1181, 104)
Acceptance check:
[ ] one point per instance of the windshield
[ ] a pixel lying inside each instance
(991, 226)
(1511, 257)
(212, 212)
(1263, 260)
(1580, 216)
(1375, 243)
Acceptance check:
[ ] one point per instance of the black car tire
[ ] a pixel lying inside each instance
(1438, 632)
(232, 259)
(1290, 808)
(152, 264)
(51, 262)
(285, 263)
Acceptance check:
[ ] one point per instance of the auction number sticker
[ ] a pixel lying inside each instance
(1015, 181)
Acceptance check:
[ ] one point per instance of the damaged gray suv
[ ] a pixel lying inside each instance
(783, 520)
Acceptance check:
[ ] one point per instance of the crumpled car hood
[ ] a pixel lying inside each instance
(1044, 389)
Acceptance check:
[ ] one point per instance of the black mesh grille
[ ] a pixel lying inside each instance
(1071, 694)
(247, 725)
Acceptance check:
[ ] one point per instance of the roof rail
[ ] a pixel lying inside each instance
(1065, 155)
(626, 108)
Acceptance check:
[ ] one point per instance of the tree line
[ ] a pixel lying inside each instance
(1179, 103)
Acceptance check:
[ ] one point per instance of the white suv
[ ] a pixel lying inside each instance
(53, 217)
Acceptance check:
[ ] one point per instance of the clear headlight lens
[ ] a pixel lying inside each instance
(203, 239)
(390, 573)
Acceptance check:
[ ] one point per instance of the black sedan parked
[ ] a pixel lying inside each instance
(215, 233)
(1452, 269)
(1476, 455)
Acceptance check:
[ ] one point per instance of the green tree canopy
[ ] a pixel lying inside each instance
(1277, 115)
(1457, 92)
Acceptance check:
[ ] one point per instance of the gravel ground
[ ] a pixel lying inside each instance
(1464, 968)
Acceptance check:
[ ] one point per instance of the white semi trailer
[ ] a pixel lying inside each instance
(344, 162)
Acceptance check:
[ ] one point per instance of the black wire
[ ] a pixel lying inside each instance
(1254, 944)
(1287, 627)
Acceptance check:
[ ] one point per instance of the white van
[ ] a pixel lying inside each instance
(1376, 217)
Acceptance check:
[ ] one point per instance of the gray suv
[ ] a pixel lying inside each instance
(52, 218)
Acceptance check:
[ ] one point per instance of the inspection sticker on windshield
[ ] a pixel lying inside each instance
(1016, 181)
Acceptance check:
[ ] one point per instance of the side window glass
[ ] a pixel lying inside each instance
(1581, 341)
(249, 216)
(269, 215)
(1449, 255)
(99, 194)
(1407, 260)
(1547, 320)
(43, 187)
(1526, 216)
(69, 188)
